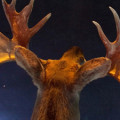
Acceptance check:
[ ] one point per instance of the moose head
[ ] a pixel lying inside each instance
(59, 82)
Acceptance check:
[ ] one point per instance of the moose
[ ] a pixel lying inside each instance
(60, 81)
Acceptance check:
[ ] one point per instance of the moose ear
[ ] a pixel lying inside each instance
(28, 61)
(92, 70)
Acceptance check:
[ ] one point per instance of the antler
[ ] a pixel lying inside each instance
(21, 32)
(112, 48)
(18, 22)
(6, 52)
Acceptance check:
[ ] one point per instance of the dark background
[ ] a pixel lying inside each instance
(70, 25)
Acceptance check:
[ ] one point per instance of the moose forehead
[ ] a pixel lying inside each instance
(62, 65)
(61, 71)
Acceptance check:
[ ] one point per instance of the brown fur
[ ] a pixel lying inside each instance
(51, 102)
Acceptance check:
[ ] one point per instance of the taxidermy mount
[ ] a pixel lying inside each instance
(59, 82)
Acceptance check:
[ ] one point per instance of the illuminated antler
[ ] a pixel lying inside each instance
(19, 26)
(6, 52)
(18, 22)
(112, 48)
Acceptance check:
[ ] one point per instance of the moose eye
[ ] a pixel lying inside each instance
(82, 60)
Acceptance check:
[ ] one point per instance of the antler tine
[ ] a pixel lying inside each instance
(5, 4)
(28, 9)
(39, 25)
(13, 3)
(9, 10)
(103, 37)
(117, 21)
